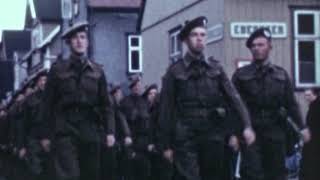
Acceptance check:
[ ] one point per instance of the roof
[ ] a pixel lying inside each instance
(114, 3)
(141, 14)
(15, 41)
(48, 10)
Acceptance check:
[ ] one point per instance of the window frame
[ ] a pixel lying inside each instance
(306, 37)
(176, 53)
(64, 5)
(135, 48)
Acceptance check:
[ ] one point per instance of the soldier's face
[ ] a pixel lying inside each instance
(3, 113)
(20, 98)
(28, 91)
(42, 82)
(118, 95)
(152, 94)
(309, 95)
(79, 42)
(137, 88)
(260, 48)
(197, 39)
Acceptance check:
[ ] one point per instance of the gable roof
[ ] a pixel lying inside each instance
(15, 41)
(48, 10)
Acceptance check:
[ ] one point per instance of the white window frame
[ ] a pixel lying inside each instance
(36, 59)
(305, 37)
(38, 32)
(67, 6)
(176, 53)
(134, 48)
(76, 8)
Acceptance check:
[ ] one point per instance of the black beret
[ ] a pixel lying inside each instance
(134, 79)
(40, 74)
(76, 27)
(114, 88)
(149, 88)
(190, 25)
(261, 32)
(133, 83)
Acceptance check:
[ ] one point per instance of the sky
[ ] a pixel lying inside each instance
(12, 14)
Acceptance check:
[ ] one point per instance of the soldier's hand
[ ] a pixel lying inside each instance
(306, 135)
(234, 143)
(22, 153)
(45, 143)
(168, 154)
(127, 141)
(249, 136)
(110, 140)
(150, 147)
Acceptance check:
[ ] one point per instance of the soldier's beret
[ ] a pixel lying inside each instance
(114, 88)
(37, 77)
(261, 32)
(76, 27)
(149, 88)
(134, 80)
(190, 25)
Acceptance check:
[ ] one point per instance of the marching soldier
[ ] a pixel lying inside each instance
(4, 142)
(268, 93)
(135, 109)
(161, 168)
(76, 106)
(15, 116)
(113, 158)
(28, 140)
(195, 100)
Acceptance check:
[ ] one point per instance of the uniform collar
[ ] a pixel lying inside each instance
(258, 64)
(266, 65)
(188, 59)
(74, 59)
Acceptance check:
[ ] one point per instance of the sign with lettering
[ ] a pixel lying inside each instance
(244, 29)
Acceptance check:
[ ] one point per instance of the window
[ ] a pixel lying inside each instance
(175, 46)
(47, 58)
(37, 36)
(36, 59)
(307, 48)
(66, 9)
(75, 8)
(134, 54)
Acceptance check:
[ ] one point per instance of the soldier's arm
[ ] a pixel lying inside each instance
(45, 115)
(22, 125)
(292, 105)
(107, 110)
(166, 111)
(235, 100)
(124, 123)
(154, 123)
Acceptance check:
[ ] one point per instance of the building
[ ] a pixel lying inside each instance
(15, 44)
(294, 24)
(44, 20)
(113, 39)
(112, 24)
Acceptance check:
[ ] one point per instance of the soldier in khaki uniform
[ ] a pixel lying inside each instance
(28, 128)
(135, 109)
(269, 95)
(196, 99)
(77, 111)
